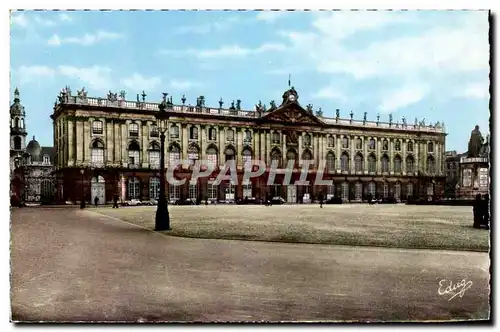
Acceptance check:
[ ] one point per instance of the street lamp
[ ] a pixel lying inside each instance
(162, 220)
(82, 202)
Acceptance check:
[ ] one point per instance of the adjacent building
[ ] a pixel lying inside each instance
(110, 145)
(31, 165)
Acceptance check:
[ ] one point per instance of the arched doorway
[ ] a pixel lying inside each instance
(98, 189)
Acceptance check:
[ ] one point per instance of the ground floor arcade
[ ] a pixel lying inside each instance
(73, 185)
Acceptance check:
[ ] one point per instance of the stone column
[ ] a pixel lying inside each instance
(144, 135)
(203, 144)
(403, 157)
(378, 142)
(268, 145)
(391, 156)
(86, 135)
(109, 141)
(299, 152)
(124, 143)
(256, 146)
(365, 154)
(117, 143)
(79, 141)
(184, 140)
(352, 152)
(71, 144)
(338, 140)
(222, 145)
(263, 154)
(239, 146)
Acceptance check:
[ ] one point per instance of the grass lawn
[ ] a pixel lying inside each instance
(399, 226)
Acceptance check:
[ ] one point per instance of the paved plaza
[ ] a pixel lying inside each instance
(385, 225)
(69, 264)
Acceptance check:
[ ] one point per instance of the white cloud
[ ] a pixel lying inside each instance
(330, 92)
(226, 51)
(139, 82)
(65, 17)
(96, 76)
(207, 28)
(19, 19)
(85, 40)
(29, 74)
(44, 22)
(402, 97)
(477, 90)
(183, 84)
(269, 16)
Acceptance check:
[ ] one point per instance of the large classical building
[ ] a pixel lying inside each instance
(110, 145)
(31, 165)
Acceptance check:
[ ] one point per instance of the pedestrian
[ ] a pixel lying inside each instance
(477, 211)
(96, 201)
(115, 201)
(485, 210)
(206, 201)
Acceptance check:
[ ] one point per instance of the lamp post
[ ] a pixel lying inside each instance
(82, 202)
(162, 220)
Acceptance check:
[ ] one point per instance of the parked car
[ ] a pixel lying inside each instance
(248, 200)
(334, 200)
(277, 200)
(133, 202)
(151, 202)
(187, 201)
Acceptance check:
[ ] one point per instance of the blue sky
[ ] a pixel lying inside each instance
(431, 65)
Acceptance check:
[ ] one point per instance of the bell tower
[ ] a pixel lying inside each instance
(17, 125)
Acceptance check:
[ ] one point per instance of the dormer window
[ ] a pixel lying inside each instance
(97, 127)
(154, 131)
(46, 159)
(212, 134)
(193, 132)
(174, 131)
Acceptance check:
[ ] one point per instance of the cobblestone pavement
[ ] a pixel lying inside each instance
(73, 265)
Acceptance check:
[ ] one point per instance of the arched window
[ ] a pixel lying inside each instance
(97, 153)
(193, 132)
(154, 156)
(358, 162)
(385, 145)
(291, 155)
(330, 162)
(344, 162)
(371, 189)
(230, 154)
(385, 164)
(345, 191)
(230, 135)
(409, 189)
(17, 143)
(153, 131)
(212, 159)
(134, 187)
(212, 134)
(397, 145)
(276, 138)
(307, 140)
(193, 154)
(397, 164)
(97, 127)
(430, 147)
(345, 142)
(307, 155)
(431, 165)
(276, 157)
(21, 123)
(133, 130)
(410, 164)
(397, 191)
(154, 188)
(174, 155)
(358, 191)
(372, 145)
(372, 163)
(134, 155)
(16, 122)
(174, 131)
(386, 189)
(409, 146)
(248, 136)
(331, 141)
(359, 143)
(247, 157)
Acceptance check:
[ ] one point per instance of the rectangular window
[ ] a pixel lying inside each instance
(134, 158)
(212, 160)
(97, 127)
(193, 193)
(174, 158)
(276, 138)
(330, 191)
(212, 191)
(97, 156)
(230, 135)
(134, 130)
(154, 131)
(154, 159)
(174, 192)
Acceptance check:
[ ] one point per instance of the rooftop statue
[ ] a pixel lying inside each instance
(475, 143)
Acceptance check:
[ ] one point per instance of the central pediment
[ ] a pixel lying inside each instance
(292, 113)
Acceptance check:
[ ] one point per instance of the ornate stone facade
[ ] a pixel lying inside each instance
(115, 143)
